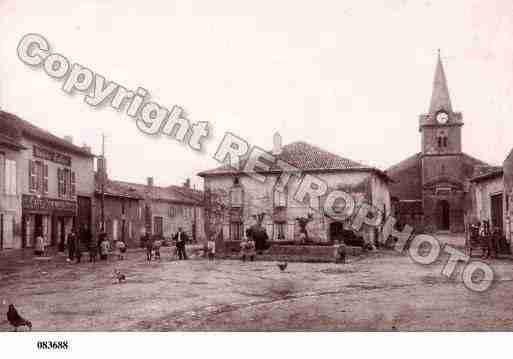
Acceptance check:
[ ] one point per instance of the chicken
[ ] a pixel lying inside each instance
(282, 266)
(119, 276)
(16, 320)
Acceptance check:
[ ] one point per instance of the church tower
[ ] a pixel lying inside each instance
(441, 158)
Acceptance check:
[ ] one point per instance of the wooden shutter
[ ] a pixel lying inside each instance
(59, 181)
(45, 178)
(73, 184)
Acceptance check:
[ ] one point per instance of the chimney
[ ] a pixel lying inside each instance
(68, 139)
(86, 148)
(187, 183)
(150, 181)
(276, 144)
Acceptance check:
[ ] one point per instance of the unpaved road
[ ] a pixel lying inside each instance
(381, 291)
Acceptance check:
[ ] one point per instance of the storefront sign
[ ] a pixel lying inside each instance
(35, 203)
(53, 156)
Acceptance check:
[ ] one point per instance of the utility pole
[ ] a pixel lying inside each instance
(103, 177)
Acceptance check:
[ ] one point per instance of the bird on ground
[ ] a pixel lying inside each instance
(119, 276)
(282, 266)
(17, 320)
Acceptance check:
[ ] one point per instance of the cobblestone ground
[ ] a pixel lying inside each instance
(380, 291)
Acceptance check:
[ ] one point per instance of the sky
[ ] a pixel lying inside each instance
(351, 77)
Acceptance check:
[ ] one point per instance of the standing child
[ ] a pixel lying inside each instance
(149, 247)
(39, 248)
(104, 248)
(211, 249)
(93, 251)
(157, 243)
(120, 248)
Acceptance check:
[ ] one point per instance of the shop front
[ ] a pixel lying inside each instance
(52, 218)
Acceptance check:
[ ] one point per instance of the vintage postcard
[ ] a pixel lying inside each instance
(263, 166)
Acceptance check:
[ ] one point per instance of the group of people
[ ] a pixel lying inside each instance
(153, 245)
(75, 244)
(489, 238)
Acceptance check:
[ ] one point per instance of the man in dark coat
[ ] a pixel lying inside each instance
(181, 239)
(71, 244)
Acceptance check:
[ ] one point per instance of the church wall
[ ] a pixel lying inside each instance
(436, 167)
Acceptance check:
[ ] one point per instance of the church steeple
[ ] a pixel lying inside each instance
(440, 99)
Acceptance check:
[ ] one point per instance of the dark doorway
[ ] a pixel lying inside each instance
(444, 215)
(496, 210)
(38, 227)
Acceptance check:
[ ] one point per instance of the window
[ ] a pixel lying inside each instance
(279, 230)
(66, 182)
(158, 226)
(73, 187)
(10, 177)
(280, 198)
(123, 206)
(130, 230)
(236, 194)
(45, 178)
(235, 231)
(32, 176)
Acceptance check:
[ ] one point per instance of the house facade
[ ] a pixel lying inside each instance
(234, 198)
(54, 185)
(133, 209)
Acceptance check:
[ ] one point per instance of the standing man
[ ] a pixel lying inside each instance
(71, 244)
(181, 238)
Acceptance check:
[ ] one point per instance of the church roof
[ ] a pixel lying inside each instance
(440, 98)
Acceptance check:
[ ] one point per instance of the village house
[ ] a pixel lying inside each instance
(133, 209)
(430, 189)
(492, 196)
(235, 199)
(47, 184)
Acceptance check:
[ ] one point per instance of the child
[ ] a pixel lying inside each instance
(39, 248)
(156, 247)
(120, 249)
(211, 249)
(104, 248)
(93, 251)
(340, 252)
(247, 249)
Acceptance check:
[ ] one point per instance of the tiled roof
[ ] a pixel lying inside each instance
(12, 121)
(304, 157)
(140, 191)
(120, 189)
(486, 172)
(10, 142)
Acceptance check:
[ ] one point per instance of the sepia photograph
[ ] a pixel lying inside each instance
(253, 169)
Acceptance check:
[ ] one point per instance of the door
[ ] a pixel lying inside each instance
(496, 210)
(444, 215)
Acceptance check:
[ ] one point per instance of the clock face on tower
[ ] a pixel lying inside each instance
(442, 118)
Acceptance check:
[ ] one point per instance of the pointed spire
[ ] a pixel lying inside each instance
(440, 98)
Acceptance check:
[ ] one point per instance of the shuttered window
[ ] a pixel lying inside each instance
(73, 187)
(45, 178)
(32, 176)
(10, 177)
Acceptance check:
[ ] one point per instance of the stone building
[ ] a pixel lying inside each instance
(132, 209)
(489, 201)
(431, 188)
(53, 187)
(241, 197)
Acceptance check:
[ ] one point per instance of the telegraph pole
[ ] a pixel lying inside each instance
(103, 177)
